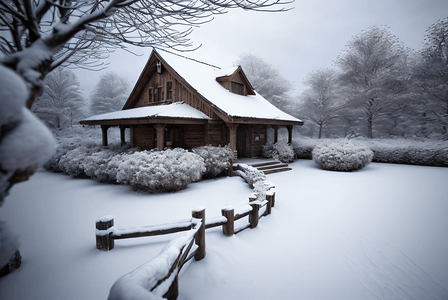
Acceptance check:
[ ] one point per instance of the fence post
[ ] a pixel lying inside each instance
(228, 229)
(199, 213)
(253, 215)
(271, 196)
(270, 199)
(173, 291)
(104, 239)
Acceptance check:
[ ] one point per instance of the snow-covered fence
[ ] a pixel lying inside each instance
(158, 278)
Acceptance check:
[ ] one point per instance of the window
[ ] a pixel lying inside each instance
(258, 136)
(156, 95)
(237, 88)
(151, 95)
(169, 90)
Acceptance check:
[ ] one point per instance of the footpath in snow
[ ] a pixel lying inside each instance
(377, 233)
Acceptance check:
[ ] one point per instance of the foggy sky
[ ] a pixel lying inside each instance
(306, 38)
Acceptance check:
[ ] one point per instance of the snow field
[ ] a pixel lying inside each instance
(379, 232)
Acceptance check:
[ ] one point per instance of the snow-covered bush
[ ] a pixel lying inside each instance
(73, 162)
(425, 152)
(216, 159)
(161, 171)
(103, 164)
(342, 155)
(280, 151)
(255, 178)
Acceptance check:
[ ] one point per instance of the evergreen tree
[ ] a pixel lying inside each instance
(109, 94)
(61, 102)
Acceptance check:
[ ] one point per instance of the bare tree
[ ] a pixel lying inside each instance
(39, 35)
(373, 67)
(61, 101)
(109, 94)
(321, 102)
(431, 73)
(266, 80)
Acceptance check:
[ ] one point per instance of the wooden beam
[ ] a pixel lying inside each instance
(289, 127)
(104, 134)
(275, 133)
(160, 128)
(122, 135)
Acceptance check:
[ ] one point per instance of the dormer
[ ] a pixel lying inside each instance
(236, 82)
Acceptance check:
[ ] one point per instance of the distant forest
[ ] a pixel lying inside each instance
(379, 89)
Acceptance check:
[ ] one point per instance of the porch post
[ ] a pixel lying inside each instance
(232, 127)
(104, 134)
(160, 135)
(289, 127)
(275, 133)
(122, 136)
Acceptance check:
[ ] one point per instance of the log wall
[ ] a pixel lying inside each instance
(144, 137)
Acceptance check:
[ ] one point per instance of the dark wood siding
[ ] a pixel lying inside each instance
(144, 137)
(194, 136)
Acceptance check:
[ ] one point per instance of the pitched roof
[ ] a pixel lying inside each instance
(202, 78)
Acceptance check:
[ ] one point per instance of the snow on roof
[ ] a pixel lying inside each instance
(174, 110)
(202, 77)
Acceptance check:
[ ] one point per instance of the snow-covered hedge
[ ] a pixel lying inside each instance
(424, 152)
(217, 159)
(150, 171)
(342, 155)
(161, 171)
(280, 151)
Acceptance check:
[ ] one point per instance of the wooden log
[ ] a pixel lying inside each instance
(104, 134)
(151, 231)
(122, 135)
(199, 213)
(228, 229)
(253, 215)
(104, 239)
(269, 198)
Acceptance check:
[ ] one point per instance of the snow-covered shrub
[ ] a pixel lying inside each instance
(161, 171)
(251, 174)
(103, 164)
(53, 163)
(73, 162)
(255, 178)
(216, 159)
(280, 151)
(342, 156)
(423, 152)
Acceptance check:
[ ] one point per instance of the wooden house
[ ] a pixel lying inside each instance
(181, 102)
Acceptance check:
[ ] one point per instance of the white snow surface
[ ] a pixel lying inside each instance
(202, 77)
(178, 109)
(376, 233)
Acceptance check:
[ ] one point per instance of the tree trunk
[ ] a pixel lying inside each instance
(320, 131)
(370, 128)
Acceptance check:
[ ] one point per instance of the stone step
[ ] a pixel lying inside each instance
(276, 170)
(266, 163)
(279, 165)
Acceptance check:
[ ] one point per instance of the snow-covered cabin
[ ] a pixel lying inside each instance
(181, 102)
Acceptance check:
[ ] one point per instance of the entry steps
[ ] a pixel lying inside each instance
(273, 166)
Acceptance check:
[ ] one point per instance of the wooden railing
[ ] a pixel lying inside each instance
(153, 281)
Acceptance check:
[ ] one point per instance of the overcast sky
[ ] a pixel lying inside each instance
(306, 38)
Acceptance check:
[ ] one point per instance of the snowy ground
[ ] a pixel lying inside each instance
(377, 233)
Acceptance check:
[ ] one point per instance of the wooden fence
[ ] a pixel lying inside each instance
(166, 286)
